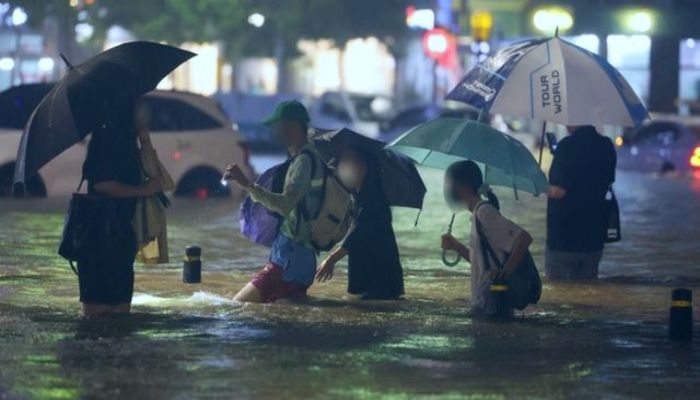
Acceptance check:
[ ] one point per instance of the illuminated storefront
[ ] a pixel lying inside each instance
(689, 76)
(630, 54)
(362, 66)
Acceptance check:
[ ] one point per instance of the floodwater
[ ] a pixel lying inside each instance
(597, 340)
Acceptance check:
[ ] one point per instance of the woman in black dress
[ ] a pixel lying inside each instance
(112, 169)
(374, 268)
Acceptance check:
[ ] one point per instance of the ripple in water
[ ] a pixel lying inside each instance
(196, 299)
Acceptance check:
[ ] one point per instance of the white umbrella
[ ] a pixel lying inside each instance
(551, 80)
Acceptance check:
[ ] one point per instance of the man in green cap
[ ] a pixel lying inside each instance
(292, 263)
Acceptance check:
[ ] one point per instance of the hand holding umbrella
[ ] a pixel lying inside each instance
(401, 183)
(504, 160)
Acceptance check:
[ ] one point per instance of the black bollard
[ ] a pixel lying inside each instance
(499, 290)
(192, 268)
(680, 326)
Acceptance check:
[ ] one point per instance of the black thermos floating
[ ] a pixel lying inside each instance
(192, 268)
(680, 325)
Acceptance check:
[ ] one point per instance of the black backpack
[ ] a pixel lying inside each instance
(524, 284)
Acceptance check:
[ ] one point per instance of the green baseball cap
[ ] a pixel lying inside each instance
(290, 110)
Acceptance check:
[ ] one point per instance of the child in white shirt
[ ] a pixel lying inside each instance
(464, 187)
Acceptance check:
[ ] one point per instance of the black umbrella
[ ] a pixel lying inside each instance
(73, 108)
(403, 186)
(18, 103)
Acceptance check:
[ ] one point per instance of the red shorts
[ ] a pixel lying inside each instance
(272, 287)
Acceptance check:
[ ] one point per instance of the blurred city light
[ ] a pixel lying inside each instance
(7, 63)
(83, 32)
(547, 20)
(481, 23)
(437, 43)
(695, 158)
(440, 45)
(19, 17)
(256, 19)
(588, 41)
(46, 64)
(422, 18)
(639, 21)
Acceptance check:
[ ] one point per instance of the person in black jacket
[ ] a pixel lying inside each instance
(374, 268)
(581, 173)
(112, 168)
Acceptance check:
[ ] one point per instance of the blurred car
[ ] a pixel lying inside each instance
(249, 110)
(418, 114)
(193, 137)
(665, 144)
(362, 113)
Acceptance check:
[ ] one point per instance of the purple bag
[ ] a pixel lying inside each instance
(259, 224)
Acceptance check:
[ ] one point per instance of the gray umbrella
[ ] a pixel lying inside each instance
(401, 182)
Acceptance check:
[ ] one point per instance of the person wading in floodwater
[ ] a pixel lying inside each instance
(292, 263)
(112, 168)
(581, 173)
(374, 269)
(464, 188)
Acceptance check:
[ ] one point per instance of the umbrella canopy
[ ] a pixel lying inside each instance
(400, 180)
(503, 159)
(73, 108)
(18, 103)
(551, 80)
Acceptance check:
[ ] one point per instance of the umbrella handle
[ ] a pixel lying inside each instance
(450, 263)
(445, 260)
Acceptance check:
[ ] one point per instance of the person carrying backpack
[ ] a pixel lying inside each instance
(509, 243)
(291, 267)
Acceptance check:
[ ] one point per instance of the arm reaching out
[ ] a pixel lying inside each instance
(324, 272)
(296, 185)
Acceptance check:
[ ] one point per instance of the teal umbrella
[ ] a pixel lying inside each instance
(503, 159)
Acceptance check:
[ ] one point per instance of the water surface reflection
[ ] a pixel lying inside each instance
(605, 339)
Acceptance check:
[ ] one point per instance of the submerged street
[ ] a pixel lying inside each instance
(596, 340)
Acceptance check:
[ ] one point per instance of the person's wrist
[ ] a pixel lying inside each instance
(462, 249)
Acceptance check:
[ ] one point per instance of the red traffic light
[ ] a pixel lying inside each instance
(439, 44)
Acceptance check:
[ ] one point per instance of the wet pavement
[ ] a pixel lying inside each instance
(597, 340)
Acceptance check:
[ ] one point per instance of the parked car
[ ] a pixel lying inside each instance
(411, 116)
(249, 110)
(194, 139)
(665, 144)
(362, 113)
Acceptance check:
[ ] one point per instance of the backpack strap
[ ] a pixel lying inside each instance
(486, 250)
(80, 185)
(301, 207)
(72, 266)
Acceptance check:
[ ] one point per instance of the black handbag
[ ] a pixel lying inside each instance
(89, 219)
(613, 232)
(524, 284)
